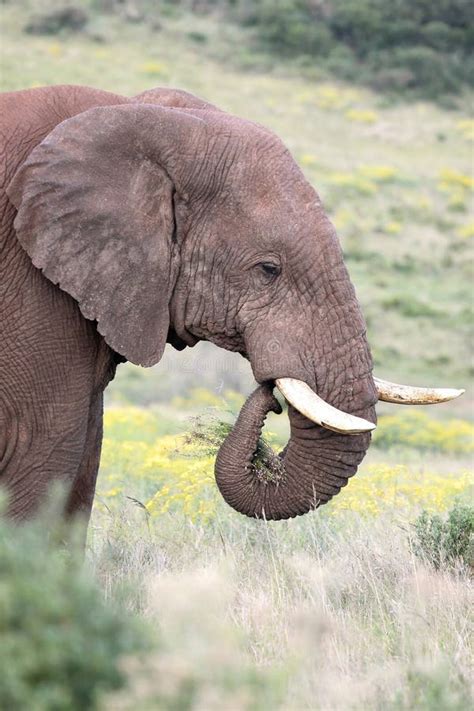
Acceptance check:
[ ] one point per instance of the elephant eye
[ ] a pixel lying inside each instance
(269, 269)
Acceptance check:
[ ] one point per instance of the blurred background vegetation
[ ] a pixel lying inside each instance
(419, 49)
(364, 603)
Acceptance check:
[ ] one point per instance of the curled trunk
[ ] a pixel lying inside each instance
(312, 468)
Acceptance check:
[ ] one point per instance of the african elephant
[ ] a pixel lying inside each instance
(130, 223)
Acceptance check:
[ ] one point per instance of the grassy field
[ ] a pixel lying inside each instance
(330, 611)
(335, 610)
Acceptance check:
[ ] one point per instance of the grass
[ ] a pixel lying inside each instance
(334, 610)
(330, 616)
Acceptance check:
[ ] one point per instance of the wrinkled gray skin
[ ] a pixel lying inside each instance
(127, 223)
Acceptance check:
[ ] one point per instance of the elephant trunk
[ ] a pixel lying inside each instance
(312, 468)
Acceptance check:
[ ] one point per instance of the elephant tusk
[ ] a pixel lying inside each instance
(305, 400)
(410, 395)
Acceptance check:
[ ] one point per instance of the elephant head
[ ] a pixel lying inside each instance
(180, 224)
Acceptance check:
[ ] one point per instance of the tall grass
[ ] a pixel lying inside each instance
(335, 610)
(308, 614)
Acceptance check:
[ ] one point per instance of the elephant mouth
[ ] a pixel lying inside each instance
(318, 459)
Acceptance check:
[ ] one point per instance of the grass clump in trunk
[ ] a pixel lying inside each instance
(209, 433)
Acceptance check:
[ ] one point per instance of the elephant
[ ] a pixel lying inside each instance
(130, 223)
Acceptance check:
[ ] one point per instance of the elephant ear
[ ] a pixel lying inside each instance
(95, 205)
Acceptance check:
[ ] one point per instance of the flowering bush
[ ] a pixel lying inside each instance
(450, 179)
(418, 430)
(175, 473)
(383, 488)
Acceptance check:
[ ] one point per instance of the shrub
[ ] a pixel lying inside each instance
(430, 71)
(70, 18)
(421, 47)
(59, 640)
(444, 543)
(290, 27)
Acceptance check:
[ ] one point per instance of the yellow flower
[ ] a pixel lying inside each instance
(456, 201)
(329, 97)
(171, 474)
(379, 173)
(450, 179)
(55, 49)
(392, 228)
(466, 129)
(353, 182)
(418, 430)
(114, 491)
(467, 231)
(308, 159)
(361, 116)
(153, 68)
(398, 489)
(424, 203)
(342, 218)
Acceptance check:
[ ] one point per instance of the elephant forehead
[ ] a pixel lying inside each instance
(246, 145)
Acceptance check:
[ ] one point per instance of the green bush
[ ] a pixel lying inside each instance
(421, 48)
(445, 543)
(59, 640)
(424, 48)
(291, 27)
(427, 71)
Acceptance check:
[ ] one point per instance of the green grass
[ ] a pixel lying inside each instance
(334, 610)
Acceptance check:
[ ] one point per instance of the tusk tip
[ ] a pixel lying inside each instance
(452, 393)
(411, 395)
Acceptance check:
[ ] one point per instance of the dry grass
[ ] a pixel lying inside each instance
(309, 614)
(330, 611)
